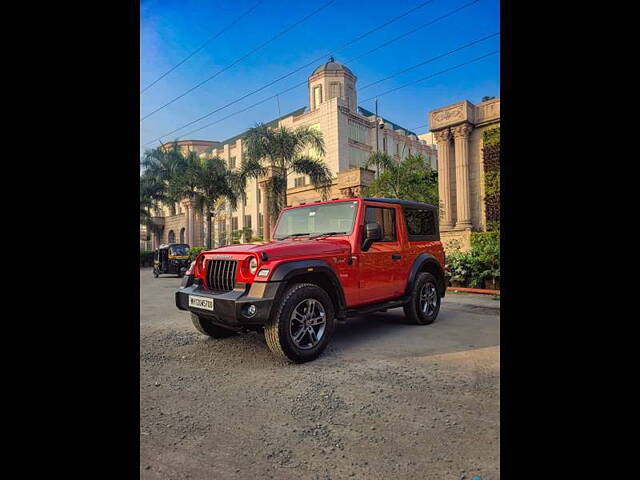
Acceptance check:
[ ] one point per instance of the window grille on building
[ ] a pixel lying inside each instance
(299, 182)
(234, 223)
(357, 157)
(260, 225)
(247, 221)
(358, 132)
(232, 163)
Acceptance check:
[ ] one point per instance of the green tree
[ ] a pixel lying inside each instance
(379, 160)
(286, 150)
(161, 166)
(215, 182)
(410, 179)
(170, 176)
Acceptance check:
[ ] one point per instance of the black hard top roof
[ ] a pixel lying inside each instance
(167, 245)
(406, 203)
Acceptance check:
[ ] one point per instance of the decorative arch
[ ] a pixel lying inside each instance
(172, 236)
(182, 235)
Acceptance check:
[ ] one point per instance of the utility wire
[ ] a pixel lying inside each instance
(379, 95)
(235, 62)
(467, 45)
(431, 76)
(312, 62)
(209, 40)
(315, 60)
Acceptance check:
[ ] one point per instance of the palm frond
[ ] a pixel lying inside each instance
(318, 172)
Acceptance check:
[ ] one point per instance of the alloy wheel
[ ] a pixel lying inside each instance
(428, 299)
(307, 323)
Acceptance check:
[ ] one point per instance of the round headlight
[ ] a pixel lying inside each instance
(253, 265)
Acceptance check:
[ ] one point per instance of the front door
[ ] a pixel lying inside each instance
(379, 266)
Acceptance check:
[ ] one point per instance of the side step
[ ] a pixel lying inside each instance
(354, 312)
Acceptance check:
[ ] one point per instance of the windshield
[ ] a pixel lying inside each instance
(178, 250)
(317, 219)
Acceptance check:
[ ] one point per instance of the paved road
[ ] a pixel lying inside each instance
(385, 400)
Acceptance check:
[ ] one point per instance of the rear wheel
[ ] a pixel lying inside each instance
(204, 325)
(424, 305)
(303, 324)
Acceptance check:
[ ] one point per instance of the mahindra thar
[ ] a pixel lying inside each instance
(327, 261)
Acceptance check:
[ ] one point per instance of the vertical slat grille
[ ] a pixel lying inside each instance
(222, 275)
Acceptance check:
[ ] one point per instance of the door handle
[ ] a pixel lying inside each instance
(395, 256)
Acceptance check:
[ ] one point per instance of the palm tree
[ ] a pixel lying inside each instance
(285, 150)
(411, 179)
(161, 165)
(381, 160)
(215, 182)
(151, 196)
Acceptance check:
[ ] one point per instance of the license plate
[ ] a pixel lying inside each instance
(205, 303)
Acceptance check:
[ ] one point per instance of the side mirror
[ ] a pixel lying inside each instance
(372, 233)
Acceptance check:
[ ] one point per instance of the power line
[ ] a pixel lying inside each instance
(379, 95)
(312, 62)
(315, 60)
(235, 62)
(209, 40)
(433, 75)
(462, 47)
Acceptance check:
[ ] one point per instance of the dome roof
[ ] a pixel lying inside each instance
(332, 66)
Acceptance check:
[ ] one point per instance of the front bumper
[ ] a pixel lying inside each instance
(230, 308)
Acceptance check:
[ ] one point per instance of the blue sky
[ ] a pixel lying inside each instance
(171, 29)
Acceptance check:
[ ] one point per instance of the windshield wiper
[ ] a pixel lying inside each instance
(326, 234)
(293, 235)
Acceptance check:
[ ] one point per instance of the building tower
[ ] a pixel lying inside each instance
(332, 80)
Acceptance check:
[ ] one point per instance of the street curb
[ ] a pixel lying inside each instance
(474, 290)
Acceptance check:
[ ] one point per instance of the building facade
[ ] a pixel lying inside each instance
(351, 133)
(458, 130)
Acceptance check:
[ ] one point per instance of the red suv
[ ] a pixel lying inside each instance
(327, 261)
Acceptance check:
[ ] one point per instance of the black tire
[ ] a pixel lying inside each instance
(414, 310)
(204, 326)
(278, 331)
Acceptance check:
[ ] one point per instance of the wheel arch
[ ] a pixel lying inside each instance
(317, 272)
(426, 262)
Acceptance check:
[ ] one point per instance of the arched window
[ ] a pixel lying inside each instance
(182, 235)
(172, 236)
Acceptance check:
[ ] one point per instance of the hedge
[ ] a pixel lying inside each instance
(480, 266)
(491, 164)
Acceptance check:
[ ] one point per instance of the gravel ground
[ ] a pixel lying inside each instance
(385, 400)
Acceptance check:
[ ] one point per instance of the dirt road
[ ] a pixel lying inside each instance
(386, 399)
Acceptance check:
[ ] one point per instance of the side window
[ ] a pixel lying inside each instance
(421, 224)
(386, 217)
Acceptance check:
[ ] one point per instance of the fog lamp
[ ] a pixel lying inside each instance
(251, 310)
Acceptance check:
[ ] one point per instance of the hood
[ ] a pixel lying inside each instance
(290, 248)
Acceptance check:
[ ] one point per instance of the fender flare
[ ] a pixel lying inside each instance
(288, 270)
(420, 261)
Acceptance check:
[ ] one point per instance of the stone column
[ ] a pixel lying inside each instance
(463, 197)
(266, 221)
(443, 137)
(186, 205)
